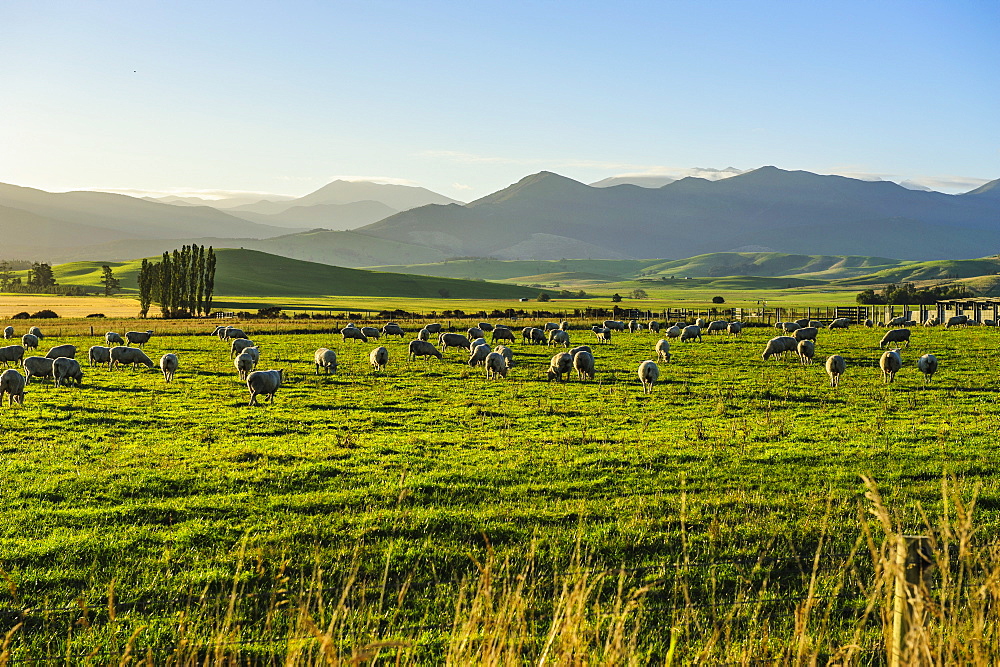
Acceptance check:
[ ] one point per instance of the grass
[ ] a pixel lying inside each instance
(440, 513)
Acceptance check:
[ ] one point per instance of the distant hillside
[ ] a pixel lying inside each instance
(716, 264)
(494, 269)
(395, 197)
(946, 269)
(253, 273)
(328, 216)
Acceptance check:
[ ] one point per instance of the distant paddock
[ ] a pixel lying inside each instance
(67, 306)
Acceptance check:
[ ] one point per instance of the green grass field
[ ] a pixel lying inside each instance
(209, 524)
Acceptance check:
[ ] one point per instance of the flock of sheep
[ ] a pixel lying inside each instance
(61, 366)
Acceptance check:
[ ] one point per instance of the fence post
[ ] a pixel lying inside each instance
(913, 563)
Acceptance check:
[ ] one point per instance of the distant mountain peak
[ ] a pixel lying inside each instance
(544, 184)
(991, 189)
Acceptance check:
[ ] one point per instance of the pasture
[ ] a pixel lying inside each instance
(432, 510)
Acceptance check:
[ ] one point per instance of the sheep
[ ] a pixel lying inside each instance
(326, 359)
(674, 332)
(890, 363)
(839, 323)
(632, 326)
(264, 383)
(446, 340)
(29, 341)
(485, 326)
(129, 356)
(802, 322)
(62, 351)
(479, 342)
(238, 345)
(603, 335)
(533, 335)
(735, 328)
(11, 353)
(805, 333)
(496, 366)
(244, 364)
(583, 362)
(8, 333)
(99, 354)
(253, 352)
(475, 332)
(614, 325)
(353, 333)
(422, 348)
(433, 328)
(718, 325)
(229, 333)
(424, 335)
(113, 338)
(139, 338)
(580, 348)
(789, 327)
(654, 326)
(371, 333)
(501, 333)
(550, 326)
(506, 353)
(662, 350)
(895, 336)
(691, 332)
(806, 350)
(564, 326)
(35, 331)
(478, 354)
(835, 367)
(779, 345)
(957, 320)
(930, 322)
(649, 373)
(169, 364)
(36, 367)
(701, 322)
(896, 321)
(68, 370)
(815, 323)
(928, 365)
(869, 323)
(558, 336)
(378, 358)
(393, 329)
(219, 331)
(12, 383)
(561, 364)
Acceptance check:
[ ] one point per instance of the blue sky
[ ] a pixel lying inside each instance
(467, 97)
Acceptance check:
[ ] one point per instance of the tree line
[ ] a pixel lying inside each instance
(181, 283)
(907, 293)
(39, 280)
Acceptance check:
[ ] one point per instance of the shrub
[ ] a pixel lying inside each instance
(718, 299)
(271, 312)
(23, 315)
(616, 297)
(44, 314)
(96, 315)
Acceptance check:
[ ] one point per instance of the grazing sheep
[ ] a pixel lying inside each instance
(501, 333)
(789, 327)
(633, 326)
(806, 350)
(35, 331)
(378, 358)
(896, 321)
(533, 335)
(910, 323)
(422, 348)
(691, 332)
(701, 322)
(559, 337)
(169, 364)
(663, 350)
(446, 340)
(475, 332)
(371, 333)
(253, 352)
(718, 325)
(113, 338)
(496, 366)
(353, 333)
(803, 322)
(989, 323)
(129, 356)
(869, 323)
(139, 338)
(29, 341)
(433, 328)
(890, 363)
(99, 354)
(928, 365)
(244, 364)
(12, 383)
(229, 333)
(815, 323)
(735, 328)
(614, 325)
(649, 373)
(8, 333)
(238, 345)
(957, 321)
(37, 367)
(550, 326)
(603, 334)
(326, 359)
(393, 329)
(424, 334)
(895, 336)
(264, 383)
(506, 353)
(68, 370)
(485, 326)
(478, 354)
(779, 345)
(580, 348)
(931, 322)
(560, 365)
(564, 325)
(583, 362)
(11, 353)
(479, 342)
(62, 351)
(840, 323)
(654, 326)
(805, 333)
(835, 367)
(674, 332)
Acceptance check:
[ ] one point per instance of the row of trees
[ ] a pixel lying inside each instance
(181, 283)
(907, 293)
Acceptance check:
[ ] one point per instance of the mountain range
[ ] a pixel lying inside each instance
(543, 216)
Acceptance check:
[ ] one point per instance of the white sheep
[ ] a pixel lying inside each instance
(890, 363)
(36, 367)
(691, 332)
(869, 323)
(485, 326)
(835, 367)
(424, 334)
(169, 364)
(789, 327)
(422, 348)
(35, 331)
(66, 370)
(264, 383)
(244, 364)
(560, 365)
(129, 356)
(533, 336)
(393, 329)
(139, 338)
(558, 337)
(8, 333)
(371, 333)
(779, 345)
(663, 350)
(603, 334)
(955, 321)
(501, 333)
(479, 342)
(238, 345)
(840, 323)
(99, 354)
(12, 383)
(229, 333)
(475, 332)
(928, 365)
(564, 325)
(353, 333)
(805, 333)
(378, 358)
(649, 373)
(735, 328)
(632, 326)
(580, 348)
(496, 366)
(583, 362)
(113, 338)
(62, 351)
(11, 354)
(29, 341)
(478, 354)
(434, 327)
(673, 332)
(895, 336)
(898, 321)
(701, 323)
(446, 340)
(718, 325)
(506, 353)
(654, 326)
(326, 359)
(802, 322)
(806, 350)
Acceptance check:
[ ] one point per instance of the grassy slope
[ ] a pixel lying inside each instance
(495, 269)
(254, 273)
(773, 264)
(934, 270)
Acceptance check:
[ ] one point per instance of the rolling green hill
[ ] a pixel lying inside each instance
(944, 269)
(254, 273)
(497, 269)
(772, 264)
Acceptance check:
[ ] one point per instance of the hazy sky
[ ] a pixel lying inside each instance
(467, 97)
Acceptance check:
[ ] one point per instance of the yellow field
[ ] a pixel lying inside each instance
(67, 306)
